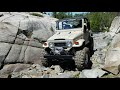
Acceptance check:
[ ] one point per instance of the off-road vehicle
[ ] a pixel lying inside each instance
(72, 40)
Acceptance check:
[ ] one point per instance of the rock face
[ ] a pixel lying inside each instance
(22, 36)
(107, 44)
(101, 42)
(112, 60)
(107, 55)
(115, 26)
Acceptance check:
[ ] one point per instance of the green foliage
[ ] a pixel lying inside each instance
(54, 14)
(61, 15)
(36, 14)
(69, 14)
(78, 15)
(101, 21)
(77, 75)
(95, 22)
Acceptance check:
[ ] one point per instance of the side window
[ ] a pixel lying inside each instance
(60, 25)
(57, 25)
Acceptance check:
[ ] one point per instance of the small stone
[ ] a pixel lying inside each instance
(46, 76)
(4, 75)
(57, 68)
(26, 76)
(93, 73)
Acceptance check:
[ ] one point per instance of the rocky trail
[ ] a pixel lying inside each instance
(56, 71)
(21, 38)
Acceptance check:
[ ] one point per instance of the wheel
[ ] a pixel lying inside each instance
(82, 58)
(45, 62)
(91, 46)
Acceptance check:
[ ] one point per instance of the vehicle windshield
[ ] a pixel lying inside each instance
(69, 24)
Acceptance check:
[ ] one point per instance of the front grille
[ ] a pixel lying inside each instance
(60, 44)
(59, 39)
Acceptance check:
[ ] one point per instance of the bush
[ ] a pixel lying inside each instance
(100, 21)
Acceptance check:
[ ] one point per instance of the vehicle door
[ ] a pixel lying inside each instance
(86, 32)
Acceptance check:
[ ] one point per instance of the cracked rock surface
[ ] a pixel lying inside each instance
(22, 35)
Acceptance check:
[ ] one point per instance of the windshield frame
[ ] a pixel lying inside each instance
(79, 21)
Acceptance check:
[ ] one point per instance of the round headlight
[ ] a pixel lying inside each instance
(69, 44)
(51, 44)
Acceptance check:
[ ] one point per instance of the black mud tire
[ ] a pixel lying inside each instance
(82, 59)
(44, 61)
(91, 46)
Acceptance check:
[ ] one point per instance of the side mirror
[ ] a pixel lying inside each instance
(85, 28)
(88, 24)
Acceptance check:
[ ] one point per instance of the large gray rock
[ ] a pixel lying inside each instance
(8, 32)
(22, 54)
(93, 73)
(101, 43)
(24, 34)
(20, 39)
(13, 54)
(112, 60)
(4, 50)
(33, 55)
(57, 69)
(33, 42)
(43, 27)
(116, 41)
(101, 40)
(8, 69)
(0, 65)
(115, 26)
(110, 42)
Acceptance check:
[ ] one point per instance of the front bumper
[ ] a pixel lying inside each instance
(58, 56)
